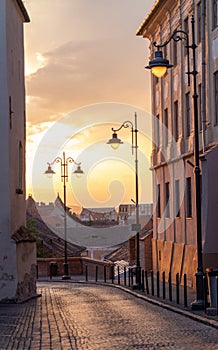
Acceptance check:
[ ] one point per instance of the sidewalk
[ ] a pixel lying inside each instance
(197, 315)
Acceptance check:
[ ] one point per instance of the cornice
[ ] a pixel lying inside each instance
(23, 11)
(159, 7)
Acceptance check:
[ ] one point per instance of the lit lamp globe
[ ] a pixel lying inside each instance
(159, 65)
(114, 141)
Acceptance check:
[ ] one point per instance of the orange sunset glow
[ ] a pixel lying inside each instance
(84, 75)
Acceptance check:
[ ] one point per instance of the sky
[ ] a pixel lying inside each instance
(84, 75)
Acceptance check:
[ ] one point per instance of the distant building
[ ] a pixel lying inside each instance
(17, 248)
(98, 215)
(125, 210)
(128, 210)
(52, 213)
(49, 244)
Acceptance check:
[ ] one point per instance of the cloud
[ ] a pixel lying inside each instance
(79, 73)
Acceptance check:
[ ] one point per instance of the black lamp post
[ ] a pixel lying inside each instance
(115, 142)
(159, 67)
(64, 178)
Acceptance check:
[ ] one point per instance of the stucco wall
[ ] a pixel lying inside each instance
(8, 273)
(26, 270)
(16, 133)
(175, 258)
(17, 260)
(210, 209)
(181, 232)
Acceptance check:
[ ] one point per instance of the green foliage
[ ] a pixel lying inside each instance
(31, 225)
(42, 252)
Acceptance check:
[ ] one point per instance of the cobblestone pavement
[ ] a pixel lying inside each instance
(95, 317)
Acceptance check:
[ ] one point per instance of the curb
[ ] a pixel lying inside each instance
(186, 313)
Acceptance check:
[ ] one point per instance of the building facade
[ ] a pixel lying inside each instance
(172, 159)
(17, 249)
(127, 210)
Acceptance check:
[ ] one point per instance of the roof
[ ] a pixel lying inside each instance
(31, 207)
(148, 226)
(151, 14)
(122, 252)
(23, 10)
(50, 239)
(23, 235)
(99, 210)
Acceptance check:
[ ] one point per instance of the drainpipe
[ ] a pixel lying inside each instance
(203, 84)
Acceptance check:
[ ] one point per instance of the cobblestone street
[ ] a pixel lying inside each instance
(90, 317)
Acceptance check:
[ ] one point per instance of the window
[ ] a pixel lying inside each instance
(165, 51)
(177, 198)
(175, 53)
(10, 112)
(215, 13)
(199, 22)
(188, 197)
(165, 127)
(158, 201)
(157, 128)
(176, 121)
(186, 25)
(187, 113)
(200, 106)
(167, 197)
(19, 189)
(216, 97)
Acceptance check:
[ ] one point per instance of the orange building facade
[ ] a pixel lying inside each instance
(174, 242)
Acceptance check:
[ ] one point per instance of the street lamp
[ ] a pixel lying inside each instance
(64, 178)
(159, 67)
(115, 142)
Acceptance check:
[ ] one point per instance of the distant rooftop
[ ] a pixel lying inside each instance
(100, 210)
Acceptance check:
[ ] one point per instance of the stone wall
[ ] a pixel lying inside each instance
(77, 266)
